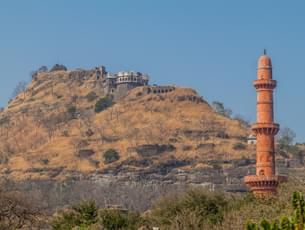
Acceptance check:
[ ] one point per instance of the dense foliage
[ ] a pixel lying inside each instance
(192, 210)
(295, 221)
(116, 219)
(195, 209)
(84, 214)
(72, 112)
(111, 156)
(103, 104)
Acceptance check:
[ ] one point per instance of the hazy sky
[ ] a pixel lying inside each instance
(212, 46)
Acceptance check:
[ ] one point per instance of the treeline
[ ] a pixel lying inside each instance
(195, 209)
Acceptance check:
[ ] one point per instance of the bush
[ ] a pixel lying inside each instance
(111, 156)
(220, 109)
(83, 215)
(239, 146)
(295, 221)
(58, 67)
(86, 215)
(116, 219)
(43, 69)
(205, 208)
(103, 104)
(72, 112)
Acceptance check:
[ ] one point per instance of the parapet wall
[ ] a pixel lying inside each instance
(158, 89)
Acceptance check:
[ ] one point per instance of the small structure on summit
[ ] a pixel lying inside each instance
(116, 85)
(251, 139)
(119, 84)
(265, 182)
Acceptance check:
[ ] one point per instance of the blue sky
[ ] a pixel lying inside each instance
(212, 46)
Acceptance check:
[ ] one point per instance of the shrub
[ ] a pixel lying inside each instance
(83, 215)
(86, 153)
(45, 161)
(72, 112)
(103, 104)
(111, 156)
(116, 219)
(295, 221)
(86, 215)
(239, 146)
(207, 208)
(220, 109)
(43, 69)
(58, 67)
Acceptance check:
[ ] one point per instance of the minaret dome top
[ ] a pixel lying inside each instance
(264, 61)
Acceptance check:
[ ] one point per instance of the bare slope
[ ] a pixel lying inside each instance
(52, 132)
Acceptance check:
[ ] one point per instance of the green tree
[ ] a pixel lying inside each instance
(81, 215)
(294, 222)
(103, 104)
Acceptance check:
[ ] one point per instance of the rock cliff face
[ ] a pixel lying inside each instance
(52, 133)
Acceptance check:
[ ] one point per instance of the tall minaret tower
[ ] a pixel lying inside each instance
(265, 182)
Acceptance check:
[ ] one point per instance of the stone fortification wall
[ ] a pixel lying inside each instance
(97, 78)
(158, 89)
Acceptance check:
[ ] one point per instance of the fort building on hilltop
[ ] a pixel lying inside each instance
(99, 80)
(119, 84)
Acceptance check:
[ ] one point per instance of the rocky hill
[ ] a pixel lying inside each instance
(51, 133)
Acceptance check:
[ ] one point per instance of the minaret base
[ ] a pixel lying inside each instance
(264, 186)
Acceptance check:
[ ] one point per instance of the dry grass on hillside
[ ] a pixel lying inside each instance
(38, 135)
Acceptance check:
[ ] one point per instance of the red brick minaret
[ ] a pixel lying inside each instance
(265, 182)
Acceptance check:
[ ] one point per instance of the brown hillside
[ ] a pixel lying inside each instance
(42, 137)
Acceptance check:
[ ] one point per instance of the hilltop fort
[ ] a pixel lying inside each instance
(116, 85)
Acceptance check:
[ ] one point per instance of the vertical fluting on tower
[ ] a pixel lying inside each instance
(265, 181)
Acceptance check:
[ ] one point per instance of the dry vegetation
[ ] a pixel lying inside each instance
(52, 129)
(196, 209)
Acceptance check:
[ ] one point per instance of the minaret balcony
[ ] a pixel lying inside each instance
(257, 182)
(265, 128)
(264, 84)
